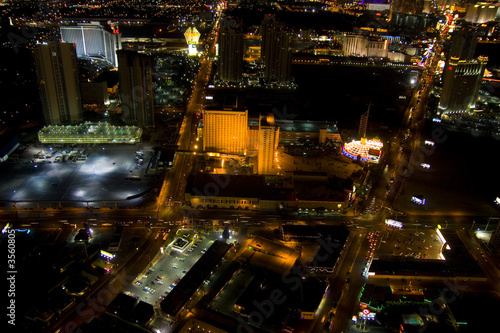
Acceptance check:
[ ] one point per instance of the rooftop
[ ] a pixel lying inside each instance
(458, 256)
(333, 190)
(306, 297)
(303, 126)
(180, 295)
(90, 133)
(306, 126)
(143, 312)
(271, 255)
(338, 233)
(122, 305)
(225, 185)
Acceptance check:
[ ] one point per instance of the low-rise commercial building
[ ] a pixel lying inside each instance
(175, 301)
(331, 238)
(90, 133)
(205, 191)
(305, 300)
(272, 256)
(456, 263)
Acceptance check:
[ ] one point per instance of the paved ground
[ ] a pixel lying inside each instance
(170, 268)
(101, 177)
(417, 244)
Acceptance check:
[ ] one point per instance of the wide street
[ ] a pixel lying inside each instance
(172, 192)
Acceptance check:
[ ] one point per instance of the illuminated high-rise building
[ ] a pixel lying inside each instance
(461, 83)
(355, 45)
(407, 6)
(481, 12)
(230, 64)
(376, 5)
(267, 144)
(225, 131)
(427, 6)
(58, 83)
(276, 53)
(363, 46)
(463, 44)
(92, 40)
(136, 88)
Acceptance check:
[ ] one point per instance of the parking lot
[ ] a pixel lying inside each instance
(85, 173)
(162, 275)
(417, 244)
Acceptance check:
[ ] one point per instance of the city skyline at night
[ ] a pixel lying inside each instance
(304, 166)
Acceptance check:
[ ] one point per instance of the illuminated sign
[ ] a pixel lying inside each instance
(440, 236)
(192, 35)
(192, 49)
(419, 200)
(7, 226)
(107, 255)
(114, 28)
(393, 223)
(366, 316)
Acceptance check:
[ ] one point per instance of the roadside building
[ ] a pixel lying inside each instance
(176, 300)
(205, 191)
(272, 256)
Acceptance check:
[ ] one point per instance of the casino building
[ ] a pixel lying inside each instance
(92, 40)
(365, 150)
